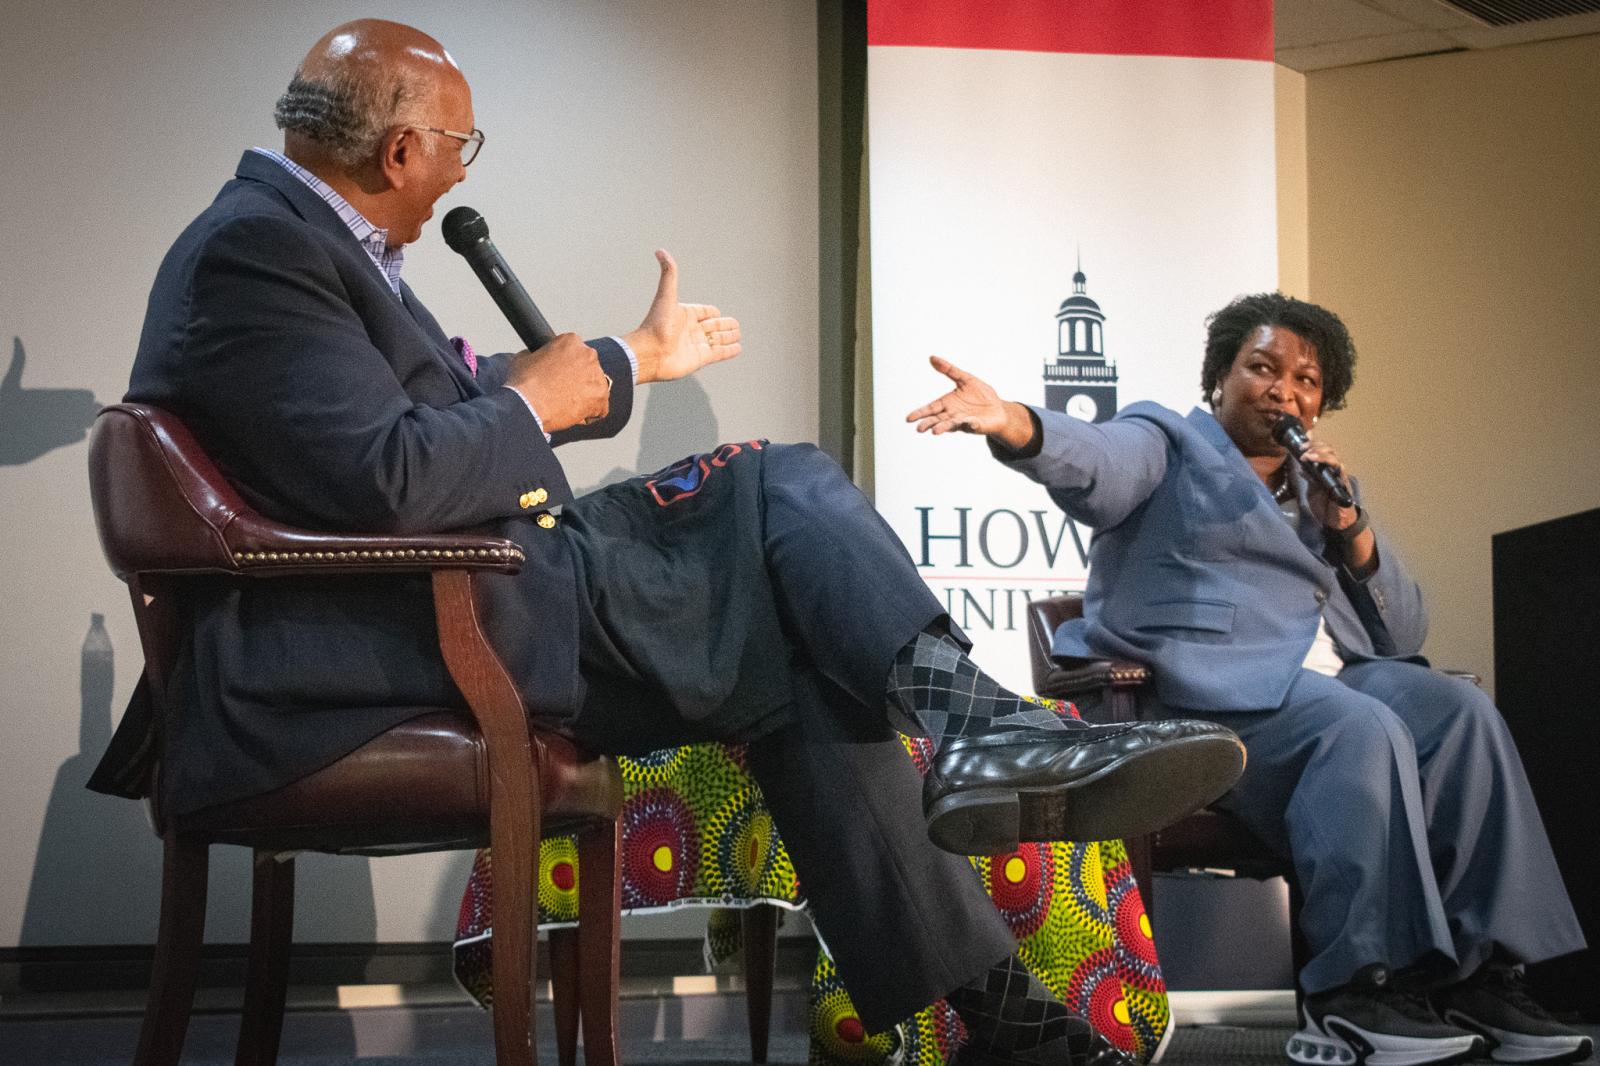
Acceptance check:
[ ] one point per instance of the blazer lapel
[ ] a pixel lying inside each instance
(1304, 536)
(314, 209)
(1307, 529)
(465, 382)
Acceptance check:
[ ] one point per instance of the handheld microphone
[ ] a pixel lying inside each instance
(466, 232)
(1290, 432)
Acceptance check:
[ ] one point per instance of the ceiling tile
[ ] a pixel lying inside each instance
(1299, 23)
(1365, 50)
(1424, 14)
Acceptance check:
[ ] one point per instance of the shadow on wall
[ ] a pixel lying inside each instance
(97, 874)
(678, 421)
(35, 421)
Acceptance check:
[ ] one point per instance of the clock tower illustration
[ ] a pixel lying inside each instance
(1080, 380)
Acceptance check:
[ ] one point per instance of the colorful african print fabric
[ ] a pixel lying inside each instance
(696, 833)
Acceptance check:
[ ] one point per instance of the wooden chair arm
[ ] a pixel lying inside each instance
(162, 507)
(1071, 677)
(1108, 684)
(267, 548)
(1062, 676)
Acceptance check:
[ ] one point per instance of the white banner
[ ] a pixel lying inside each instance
(1056, 210)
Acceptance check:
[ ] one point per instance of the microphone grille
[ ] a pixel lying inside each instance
(1285, 427)
(463, 227)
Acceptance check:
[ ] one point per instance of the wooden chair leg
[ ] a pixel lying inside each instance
(564, 992)
(1299, 946)
(1139, 849)
(172, 977)
(516, 863)
(514, 809)
(760, 935)
(267, 982)
(599, 939)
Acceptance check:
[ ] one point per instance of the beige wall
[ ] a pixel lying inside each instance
(1454, 222)
(1289, 93)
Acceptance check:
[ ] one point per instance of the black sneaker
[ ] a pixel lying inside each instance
(1371, 1022)
(1103, 1052)
(1494, 1004)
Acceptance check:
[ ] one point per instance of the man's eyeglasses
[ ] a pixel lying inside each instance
(470, 142)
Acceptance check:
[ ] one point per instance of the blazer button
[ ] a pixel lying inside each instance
(546, 521)
(1322, 597)
(538, 496)
(526, 500)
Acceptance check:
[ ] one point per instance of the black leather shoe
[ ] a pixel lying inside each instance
(1074, 1050)
(1103, 1052)
(1088, 1048)
(987, 793)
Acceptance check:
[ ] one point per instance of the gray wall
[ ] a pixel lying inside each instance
(613, 128)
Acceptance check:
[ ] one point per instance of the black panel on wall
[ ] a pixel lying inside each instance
(1547, 684)
(841, 115)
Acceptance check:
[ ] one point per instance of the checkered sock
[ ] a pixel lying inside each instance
(934, 682)
(1011, 1017)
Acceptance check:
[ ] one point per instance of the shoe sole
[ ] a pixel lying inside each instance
(1134, 795)
(1079, 1044)
(1506, 1046)
(1344, 1044)
(1166, 1038)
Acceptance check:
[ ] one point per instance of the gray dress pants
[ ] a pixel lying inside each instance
(1399, 796)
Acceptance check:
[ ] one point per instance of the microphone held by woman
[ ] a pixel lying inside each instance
(1290, 432)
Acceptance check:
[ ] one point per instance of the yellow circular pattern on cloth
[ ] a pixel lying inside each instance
(695, 828)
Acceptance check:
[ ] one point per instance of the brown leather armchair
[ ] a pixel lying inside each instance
(443, 780)
(1208, 839)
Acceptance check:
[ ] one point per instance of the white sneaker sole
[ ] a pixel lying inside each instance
(1339, 1043)
(1506, 1046)
(1166, 1037)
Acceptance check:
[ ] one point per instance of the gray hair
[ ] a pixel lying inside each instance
(348, 113)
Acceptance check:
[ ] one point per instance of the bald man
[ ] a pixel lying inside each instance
(748, 595)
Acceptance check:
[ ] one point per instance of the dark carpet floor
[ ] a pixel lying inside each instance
(1227, 1046)
(458, 1036)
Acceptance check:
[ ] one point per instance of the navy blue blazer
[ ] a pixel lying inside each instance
(332, 403)
(1193, 570)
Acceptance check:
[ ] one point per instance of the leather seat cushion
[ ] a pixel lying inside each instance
(420, 786)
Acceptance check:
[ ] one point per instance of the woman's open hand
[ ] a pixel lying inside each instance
(973, 407)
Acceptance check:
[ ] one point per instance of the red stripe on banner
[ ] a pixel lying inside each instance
(1210, 29)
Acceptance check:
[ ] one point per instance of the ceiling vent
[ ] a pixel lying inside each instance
(1318, 34)
(1514, 12)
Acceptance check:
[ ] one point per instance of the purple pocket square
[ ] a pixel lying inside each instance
(464, 350)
